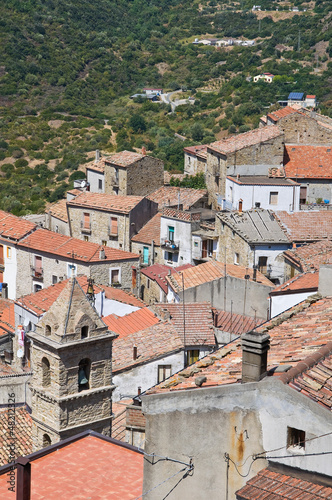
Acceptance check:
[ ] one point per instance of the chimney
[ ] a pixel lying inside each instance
(23, 471)
(254, 355)
(139, 391)
(135, 352)
(102, 255)
(240, 205)
(325, 280)
(143, 151)
(165, 314)
(293, 245)
(97, 156)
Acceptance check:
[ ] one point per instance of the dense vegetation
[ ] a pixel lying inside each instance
(68, 68)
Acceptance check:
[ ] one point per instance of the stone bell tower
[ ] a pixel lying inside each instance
(71, 386)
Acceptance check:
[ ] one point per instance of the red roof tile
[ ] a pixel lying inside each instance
(153, 342)
(106, 202)
(14, 228)
(272, 485)
(234, 323)
(280, 113)
(132, 322)
(7, 316)
(247, 139)
(209, 271)
(193, 322)
(200, 150)
(173, 196)
(158, 273)
(59, 210)
(306, 226)
(306, 281)
(310, 256)
(96, 166)
(72, 469)
(22, 438)
(44, 241)
(124, 158)
(149, 232)
(308, 162)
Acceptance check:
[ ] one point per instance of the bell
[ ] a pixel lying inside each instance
(82, 380)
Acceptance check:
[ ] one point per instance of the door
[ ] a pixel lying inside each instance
(204, 249)
(145, 255)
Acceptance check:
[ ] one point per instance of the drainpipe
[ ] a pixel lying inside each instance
(23, 471)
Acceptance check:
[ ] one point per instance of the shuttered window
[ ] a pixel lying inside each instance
(114, 226)
(86, 220)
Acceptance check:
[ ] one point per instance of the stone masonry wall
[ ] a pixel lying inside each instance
(145, 176)
(301, 129)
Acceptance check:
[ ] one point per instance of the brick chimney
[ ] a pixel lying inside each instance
(240, 205)
(254, 355)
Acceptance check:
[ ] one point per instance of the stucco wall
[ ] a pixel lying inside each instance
(93, 178)
(280, 303)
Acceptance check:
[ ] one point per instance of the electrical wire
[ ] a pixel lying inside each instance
(282, 447)
(298, 455)
(167, 479)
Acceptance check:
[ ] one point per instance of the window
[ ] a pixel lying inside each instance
(46, 440)
(9, 253)
(171, 233)
(273, 198)
(86, 220)
(46, 372)
(169, 257)
(148, 283)
(116, 177)
(37, 287)
(145, 255)
(195, 243)
(38, 267)
(48, 330)
(295, 439)
(303, 195)
(71, 270)
(192, 356)
(54, 279)
(114, 226)
(262, 265)
(83, 375)
(164, 371)
(237, 258)
(104, 243)
(116, 190)
(84, 332)
(86, 238)
(115, 276)
(100, 184)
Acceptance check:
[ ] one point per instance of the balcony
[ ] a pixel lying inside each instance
(169, 245)
(86, 227)
(37, 273)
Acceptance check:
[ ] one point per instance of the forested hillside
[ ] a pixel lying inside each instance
(67, 66)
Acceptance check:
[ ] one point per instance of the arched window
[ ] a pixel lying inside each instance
(84, 332)
(48, 330)
(46, 372)
(46, 440)
(84, 375)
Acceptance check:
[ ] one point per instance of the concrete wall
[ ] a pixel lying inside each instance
(143, 376)
(241, 420)
(325, 280)
(242, 296)
(288, 196)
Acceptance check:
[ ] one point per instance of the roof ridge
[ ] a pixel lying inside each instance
(309, 362)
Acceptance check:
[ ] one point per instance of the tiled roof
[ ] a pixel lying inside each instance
(306, 226)
(153, 342)
(149, 232)
(308, 162)
(306, 281)
(238, 142)
(44, 241)
(124, 158)
(294, 335)
(172, 196)
(97, 166)
(133, 322)
(158, 273)
(59, 210)
(234, 323)
(107, 202)
(278, 486)
(200, 151)
(69, 472)
(40, 302)
(311, 255)
(209, 271)
(22, 438)
(7, 316)
(192, 321)
(280, 113)
(262, 180)
(14, 228)
(255, 226)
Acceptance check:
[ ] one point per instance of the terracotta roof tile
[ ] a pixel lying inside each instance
(200, 150)
(59, 210)
(152, 343)
(46, 241)
(306, 226)
(238, 142)
(124, 158)
(149, 232)
(310, 256)
(75, 467)
(158, 273)
(299, 282)
(308, 162)
(281, 113)
(22, 434)
(7, 316)
(271, 485)
(14, 228)
(132, 322)
(169, 196)
(209, 271)
(234, 323)
(96, 166)
(198, 328)
(106, 202)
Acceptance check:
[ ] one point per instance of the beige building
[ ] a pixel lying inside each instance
(107, 219)
(125, 173)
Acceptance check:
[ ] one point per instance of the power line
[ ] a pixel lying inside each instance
(282, 447)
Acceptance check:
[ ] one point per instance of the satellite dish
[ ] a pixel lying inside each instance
(26, 322)
(20, 353)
